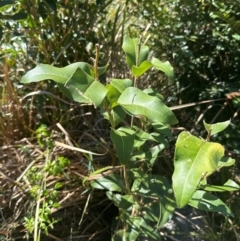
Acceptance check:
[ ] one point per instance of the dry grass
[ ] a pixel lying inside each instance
(12, 115)
(81, 215)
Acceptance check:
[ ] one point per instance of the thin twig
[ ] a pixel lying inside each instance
(193, 104)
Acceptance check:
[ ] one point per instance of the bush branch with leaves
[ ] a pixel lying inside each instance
(146, 201)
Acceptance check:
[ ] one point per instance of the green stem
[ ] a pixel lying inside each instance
(126, 179)
(135, 78)
(96, 62)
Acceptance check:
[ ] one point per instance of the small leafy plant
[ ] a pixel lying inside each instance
(45, 197)
(146, 201)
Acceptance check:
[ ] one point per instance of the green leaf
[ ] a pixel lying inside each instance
(229, 186)
(118, 114)
(131, 49)
(121, 201)
(59, 75)
(140, 70)
(83, 84)
(73, 94)
(138, 103)
(159, 212)
(165, 67)
(101, 70)
(152, 92)
(134, 227)
(194, 158)
(58, 185)
(79, 82)
(96, 92)
(167, 209)
(162, 129)
(140, 136)
(112, 95)
(121, 84)
(152, 210)
(123, 142)
(74, 80)
(151, 185)
(154, 151)
(226, 162)
(213, 129)
(149, 157)
(113, 182)
(208, 202)
(143, 228)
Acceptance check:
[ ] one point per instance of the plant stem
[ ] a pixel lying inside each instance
(126, 179)
(135, 78)
(96, 62)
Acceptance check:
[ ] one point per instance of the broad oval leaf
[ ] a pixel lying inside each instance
(123, 142)
(213, 129)
(74, 80)
(131, 49)
(59, 75)
(138, 103)
(194, 158)
(165, 67)
(112, 183)
(208, 202)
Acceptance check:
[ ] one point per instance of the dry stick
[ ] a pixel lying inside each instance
(58, 56)
(188, 220)
(236, 113)
(67, 137)
(77, 149)
(145, 32)
(193, 104)
(219, 112)
(201, 116)
(85, 208)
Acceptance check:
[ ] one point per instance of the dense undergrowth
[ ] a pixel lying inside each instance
(37, 120)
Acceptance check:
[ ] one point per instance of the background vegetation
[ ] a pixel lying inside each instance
(201, 39)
